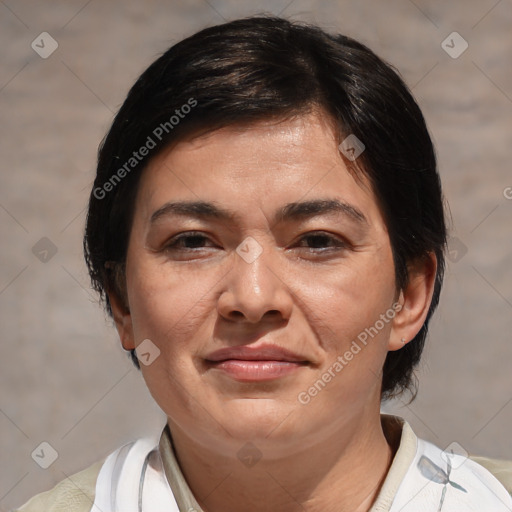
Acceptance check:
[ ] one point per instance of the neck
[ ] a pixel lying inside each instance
(343, 472)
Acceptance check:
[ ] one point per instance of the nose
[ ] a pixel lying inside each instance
(253, 290)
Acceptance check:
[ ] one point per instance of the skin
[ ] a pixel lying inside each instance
(310, 295)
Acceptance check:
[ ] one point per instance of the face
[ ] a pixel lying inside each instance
(256, 265)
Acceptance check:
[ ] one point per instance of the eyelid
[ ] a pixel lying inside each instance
(326, 234)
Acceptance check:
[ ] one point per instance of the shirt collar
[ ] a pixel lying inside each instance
(397, 432)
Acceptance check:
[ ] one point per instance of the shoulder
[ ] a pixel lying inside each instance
(500, 469)
(73, 494)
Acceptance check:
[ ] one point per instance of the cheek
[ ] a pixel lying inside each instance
(167, 306)
(168, 309)
(351, 298)
(354, 312)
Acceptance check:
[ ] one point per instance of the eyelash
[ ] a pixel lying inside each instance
(183, 237)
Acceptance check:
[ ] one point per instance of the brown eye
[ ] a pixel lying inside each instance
(184, 241)
(321, 240)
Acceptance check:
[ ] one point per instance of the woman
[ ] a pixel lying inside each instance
(266, 228)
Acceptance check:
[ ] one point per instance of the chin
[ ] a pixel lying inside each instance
(258, 418)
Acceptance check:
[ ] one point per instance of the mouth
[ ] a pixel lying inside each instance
(253, 364)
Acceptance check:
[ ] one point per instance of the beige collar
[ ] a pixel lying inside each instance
(395, 427)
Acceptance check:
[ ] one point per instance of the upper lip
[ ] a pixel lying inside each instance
(255, 353)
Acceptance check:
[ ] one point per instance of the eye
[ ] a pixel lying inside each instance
(314, 242)
(323, 241)
(190, 240)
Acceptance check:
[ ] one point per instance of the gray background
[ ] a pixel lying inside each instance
(64, 378)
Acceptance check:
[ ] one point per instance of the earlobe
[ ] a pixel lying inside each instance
(123, 321)
(415, 301)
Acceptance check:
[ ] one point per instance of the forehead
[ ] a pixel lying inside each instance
(258, 165)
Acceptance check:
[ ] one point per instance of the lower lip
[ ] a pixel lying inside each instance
(251, 371)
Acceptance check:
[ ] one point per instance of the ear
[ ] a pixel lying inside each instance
(123, 320)
(415, 301)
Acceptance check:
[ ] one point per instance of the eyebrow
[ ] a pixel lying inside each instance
(291, 211)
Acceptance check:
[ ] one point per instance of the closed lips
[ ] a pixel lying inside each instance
(262, 353)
